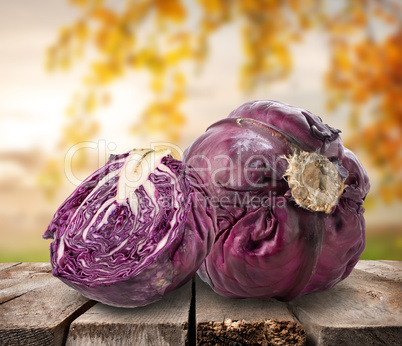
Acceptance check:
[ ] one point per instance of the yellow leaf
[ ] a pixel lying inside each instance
(90, 103)
(65, 62)
(178, 96)
(157, 84)
(106, 16)
(170, 10)
(105, 72)
(294, 5)
(81, 30)
(213, 6)
(177, 119)
(250, 6)
(64, 36)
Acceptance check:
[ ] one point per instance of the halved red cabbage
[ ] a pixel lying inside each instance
(288, 199)
(133, 231)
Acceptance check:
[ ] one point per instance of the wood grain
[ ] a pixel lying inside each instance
(364, 309)
(8, 265)
(21, 278)
(165, 322)
(36, 307)
(391, 270)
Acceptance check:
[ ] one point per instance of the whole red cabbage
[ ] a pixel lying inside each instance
(288, 198)
(133, 231)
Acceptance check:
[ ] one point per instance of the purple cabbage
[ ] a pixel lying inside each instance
(288, 199)
(134, 230)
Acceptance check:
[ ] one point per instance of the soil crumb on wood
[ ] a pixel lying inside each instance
(262, 333)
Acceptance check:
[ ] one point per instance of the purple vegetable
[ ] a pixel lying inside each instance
(288, 199)
(132, 231)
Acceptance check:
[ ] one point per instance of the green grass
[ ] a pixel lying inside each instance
(35, 255)
(386, 246)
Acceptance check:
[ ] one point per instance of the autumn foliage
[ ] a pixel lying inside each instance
(161, 37)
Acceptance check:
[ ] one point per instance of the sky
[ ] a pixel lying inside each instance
(32, 101)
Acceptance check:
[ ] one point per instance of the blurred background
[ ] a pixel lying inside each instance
(83, 79)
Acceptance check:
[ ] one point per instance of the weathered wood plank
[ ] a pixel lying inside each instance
(222, 320)
(165, 322)
(18, 279)
(387, 269)
(364, 309)
(8, 265)
(37, 308)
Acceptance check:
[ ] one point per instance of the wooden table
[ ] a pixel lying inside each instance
(365, 309)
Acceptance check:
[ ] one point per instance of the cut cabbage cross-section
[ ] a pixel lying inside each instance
(132, 231)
